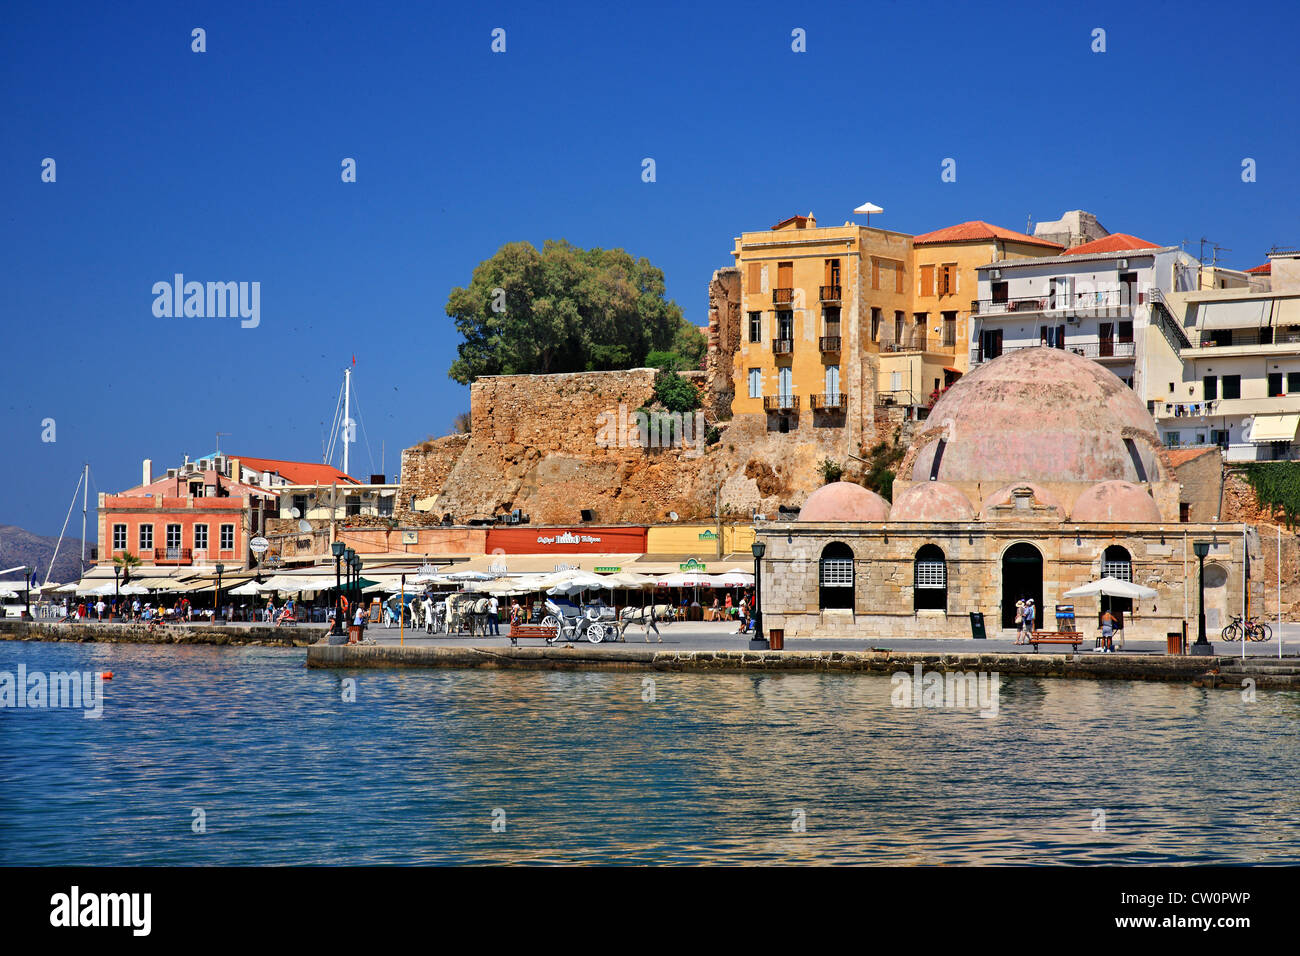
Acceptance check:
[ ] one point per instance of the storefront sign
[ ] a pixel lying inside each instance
(608, 570)
(708, 536)
(566, 540)
(692, 565)
(410, 537)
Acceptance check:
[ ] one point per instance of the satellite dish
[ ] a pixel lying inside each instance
(295, 513)
(304, 526)
(672, 516)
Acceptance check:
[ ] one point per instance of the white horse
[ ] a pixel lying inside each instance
(647, 617)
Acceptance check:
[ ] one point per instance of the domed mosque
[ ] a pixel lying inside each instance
(1033, 474)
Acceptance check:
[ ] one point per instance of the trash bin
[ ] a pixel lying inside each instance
(776, 639)
(1175, 643)
(977, 626)
(354, 633)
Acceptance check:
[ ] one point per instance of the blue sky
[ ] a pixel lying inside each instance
(225, 166)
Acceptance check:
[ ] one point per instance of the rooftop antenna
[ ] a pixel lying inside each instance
(219, 434)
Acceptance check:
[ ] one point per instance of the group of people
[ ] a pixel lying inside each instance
(1025, 615)
(134, 612)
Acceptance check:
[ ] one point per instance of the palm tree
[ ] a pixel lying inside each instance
(126, 561)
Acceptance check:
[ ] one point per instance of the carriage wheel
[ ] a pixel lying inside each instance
(550, 621)
(596, 633)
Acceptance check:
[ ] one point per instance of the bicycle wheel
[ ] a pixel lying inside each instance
(1262, 633)
(1230, 633)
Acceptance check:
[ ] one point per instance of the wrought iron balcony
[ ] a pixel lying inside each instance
(172, 556)
(828, 401)
(829, 293)
(781, 403)
(782, 296)
(782, 346)
(829, 343)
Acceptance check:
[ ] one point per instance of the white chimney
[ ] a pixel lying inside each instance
(147, 471)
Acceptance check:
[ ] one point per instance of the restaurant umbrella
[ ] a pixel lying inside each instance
(1112, 587)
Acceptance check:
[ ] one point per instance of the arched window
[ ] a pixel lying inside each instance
(1117, 563)
(835, 575)
(930, 580)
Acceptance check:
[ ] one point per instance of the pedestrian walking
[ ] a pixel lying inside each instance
(494, 617)
(1029, 617)
(99, 608)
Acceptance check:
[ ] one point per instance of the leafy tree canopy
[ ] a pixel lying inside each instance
(563, 309)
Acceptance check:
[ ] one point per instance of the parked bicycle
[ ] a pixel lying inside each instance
(1252, 630)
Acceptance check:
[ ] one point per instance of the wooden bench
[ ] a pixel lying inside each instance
(545, 632)
(1073, 638)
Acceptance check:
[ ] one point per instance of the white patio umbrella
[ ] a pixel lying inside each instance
(248, 587)
(132, 589)
(575, 582)
(733, 579)
(868, 208)
(1112, 587)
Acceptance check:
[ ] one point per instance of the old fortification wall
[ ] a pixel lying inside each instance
(553, 445)
(724, 341)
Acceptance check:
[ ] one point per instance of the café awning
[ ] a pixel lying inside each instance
(1274, 427)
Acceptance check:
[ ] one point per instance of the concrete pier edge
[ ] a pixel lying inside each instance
(1202, 671)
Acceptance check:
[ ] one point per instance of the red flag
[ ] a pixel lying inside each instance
(354, 361)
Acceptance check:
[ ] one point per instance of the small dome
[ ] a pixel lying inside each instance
(1022, 499)
(1116, 501)
(932, 501)
(844, 501)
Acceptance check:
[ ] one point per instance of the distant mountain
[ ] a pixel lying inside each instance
(18, 546)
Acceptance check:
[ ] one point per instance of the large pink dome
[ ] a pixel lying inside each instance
(844, 501)
(1116, 501)
(1040, 415)
(931, 501)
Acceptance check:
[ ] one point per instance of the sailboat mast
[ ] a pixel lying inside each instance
(347, 414)
(85, 494)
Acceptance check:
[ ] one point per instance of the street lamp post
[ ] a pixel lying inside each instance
(337, 629)
(216, 603)
(759, 548)
(27, 595)
(1202, 647)
(356, 580)
(117, 597)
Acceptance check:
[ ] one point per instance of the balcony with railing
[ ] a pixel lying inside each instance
(173, 556)
(1117, 301)
(829, 293)
(1244, 341)
(782, 296)
(780, 403)
(1103, 351)
(828, 402)
(782, 346)
(829, 343)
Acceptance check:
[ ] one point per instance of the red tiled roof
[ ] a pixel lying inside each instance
(1115, 242)
(800, 220)
(1181, 456)
(300, 472)
(979, 231)
(1264, 270)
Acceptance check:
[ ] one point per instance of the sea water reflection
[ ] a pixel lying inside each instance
(582, 768)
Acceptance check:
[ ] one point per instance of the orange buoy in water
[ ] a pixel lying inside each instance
(107, 675)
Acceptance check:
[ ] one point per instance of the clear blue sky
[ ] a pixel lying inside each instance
(225, 166)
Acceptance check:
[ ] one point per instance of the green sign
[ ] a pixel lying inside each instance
(708, 536)
(692, 565)
(608, 570)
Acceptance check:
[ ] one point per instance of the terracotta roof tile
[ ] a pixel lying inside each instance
(1115, 242)
(1265, 269)
(300, 472)
(1181, 456)
(979, 231)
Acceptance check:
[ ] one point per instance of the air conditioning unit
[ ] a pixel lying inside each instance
(1071, 320)
(172, 472)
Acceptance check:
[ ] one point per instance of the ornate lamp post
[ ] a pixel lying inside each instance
(1202, 647)
(356, 578)
(337, 548)
(759, 548)
(216, 603)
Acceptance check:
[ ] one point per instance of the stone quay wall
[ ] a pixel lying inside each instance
(1205, 671)
(104, 632)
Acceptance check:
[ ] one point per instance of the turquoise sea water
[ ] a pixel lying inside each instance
(579, 767)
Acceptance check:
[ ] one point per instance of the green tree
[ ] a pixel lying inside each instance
(126, 561)
(675, 393)
(563, 309)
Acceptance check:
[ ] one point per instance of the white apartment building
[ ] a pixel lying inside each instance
(1236, 383)
(1099, 300)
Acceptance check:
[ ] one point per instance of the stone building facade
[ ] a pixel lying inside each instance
(1035, 474)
